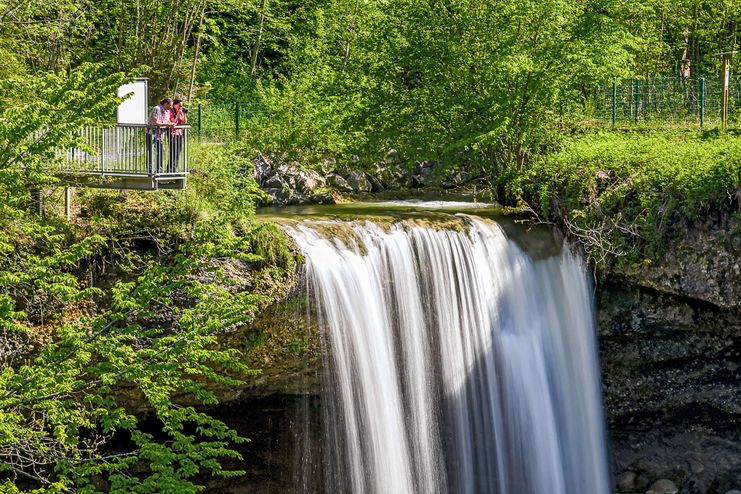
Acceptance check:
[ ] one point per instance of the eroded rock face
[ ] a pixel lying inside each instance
(670, 348)
(671, 369)
(703, 261)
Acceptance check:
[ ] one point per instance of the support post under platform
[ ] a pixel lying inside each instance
(68, 203)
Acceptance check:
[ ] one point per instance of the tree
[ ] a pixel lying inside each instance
(74, 356)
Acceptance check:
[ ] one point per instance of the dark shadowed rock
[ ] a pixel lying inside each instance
(627, 482)
(376, 185)
(663, 486)
(273, 182)
(263, 169)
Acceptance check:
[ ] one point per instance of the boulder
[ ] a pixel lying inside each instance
(307, 181)
(273, 182)
(627, 482)
(376, 185)
(338, 183)
(323, 198)
(663, 486)
(359, 181)
(263, 169)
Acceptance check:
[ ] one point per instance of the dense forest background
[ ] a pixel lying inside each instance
(131, 296)
(431, 79)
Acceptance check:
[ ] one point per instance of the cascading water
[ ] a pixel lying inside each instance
(457, 363)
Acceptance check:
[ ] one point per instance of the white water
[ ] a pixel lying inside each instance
(458, 364)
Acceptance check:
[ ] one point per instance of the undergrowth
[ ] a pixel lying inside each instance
(621, 193)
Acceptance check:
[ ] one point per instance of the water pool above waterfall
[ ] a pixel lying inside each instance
(455, 361)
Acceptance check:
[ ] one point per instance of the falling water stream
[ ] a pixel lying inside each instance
(456, 361)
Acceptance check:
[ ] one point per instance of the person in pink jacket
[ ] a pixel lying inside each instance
(178, 116)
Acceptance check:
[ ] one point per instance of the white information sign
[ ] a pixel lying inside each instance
(133, 110)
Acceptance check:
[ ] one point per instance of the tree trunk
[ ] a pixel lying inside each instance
(256, 50)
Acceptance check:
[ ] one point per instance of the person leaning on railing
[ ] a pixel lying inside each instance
(178, 116)
(159, 123)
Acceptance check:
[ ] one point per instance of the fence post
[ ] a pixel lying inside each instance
(200, 119)
(236, 120)
(637, 97)
(702, 102)
(614, 102)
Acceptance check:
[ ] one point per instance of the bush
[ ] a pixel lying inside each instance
(620, 192)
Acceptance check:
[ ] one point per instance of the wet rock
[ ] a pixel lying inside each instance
(663, 486)
(359, 181)
(336, 182)
(627, 482)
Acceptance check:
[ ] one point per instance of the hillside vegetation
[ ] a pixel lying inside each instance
(134, 293)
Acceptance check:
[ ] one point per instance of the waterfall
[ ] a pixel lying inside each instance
(456, 362)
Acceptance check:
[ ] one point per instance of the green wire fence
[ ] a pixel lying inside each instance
(227, 121)
(661, 101)
(620, 103)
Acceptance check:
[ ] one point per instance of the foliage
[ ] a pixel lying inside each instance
(37, 117)
(57, 35)
(468, 80)
(58, 411)
(621, 193)
(79, 361)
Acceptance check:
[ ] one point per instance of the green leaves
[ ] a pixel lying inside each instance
(61, 407)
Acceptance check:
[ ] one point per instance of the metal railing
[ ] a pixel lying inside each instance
(129, 151)
(666, 100)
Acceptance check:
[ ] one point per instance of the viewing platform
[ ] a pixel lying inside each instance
(140, 157)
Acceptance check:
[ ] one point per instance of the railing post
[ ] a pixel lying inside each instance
(200, 118)
(614, 102)
(236, 120)
(702, 102)
(185, 151)
(637, 98)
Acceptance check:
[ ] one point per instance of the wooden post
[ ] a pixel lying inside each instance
(702, 102)
(725, 75)
(637, 99)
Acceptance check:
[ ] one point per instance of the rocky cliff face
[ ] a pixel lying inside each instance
(670, 345)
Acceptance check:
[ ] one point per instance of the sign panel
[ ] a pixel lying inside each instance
(133, 110)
